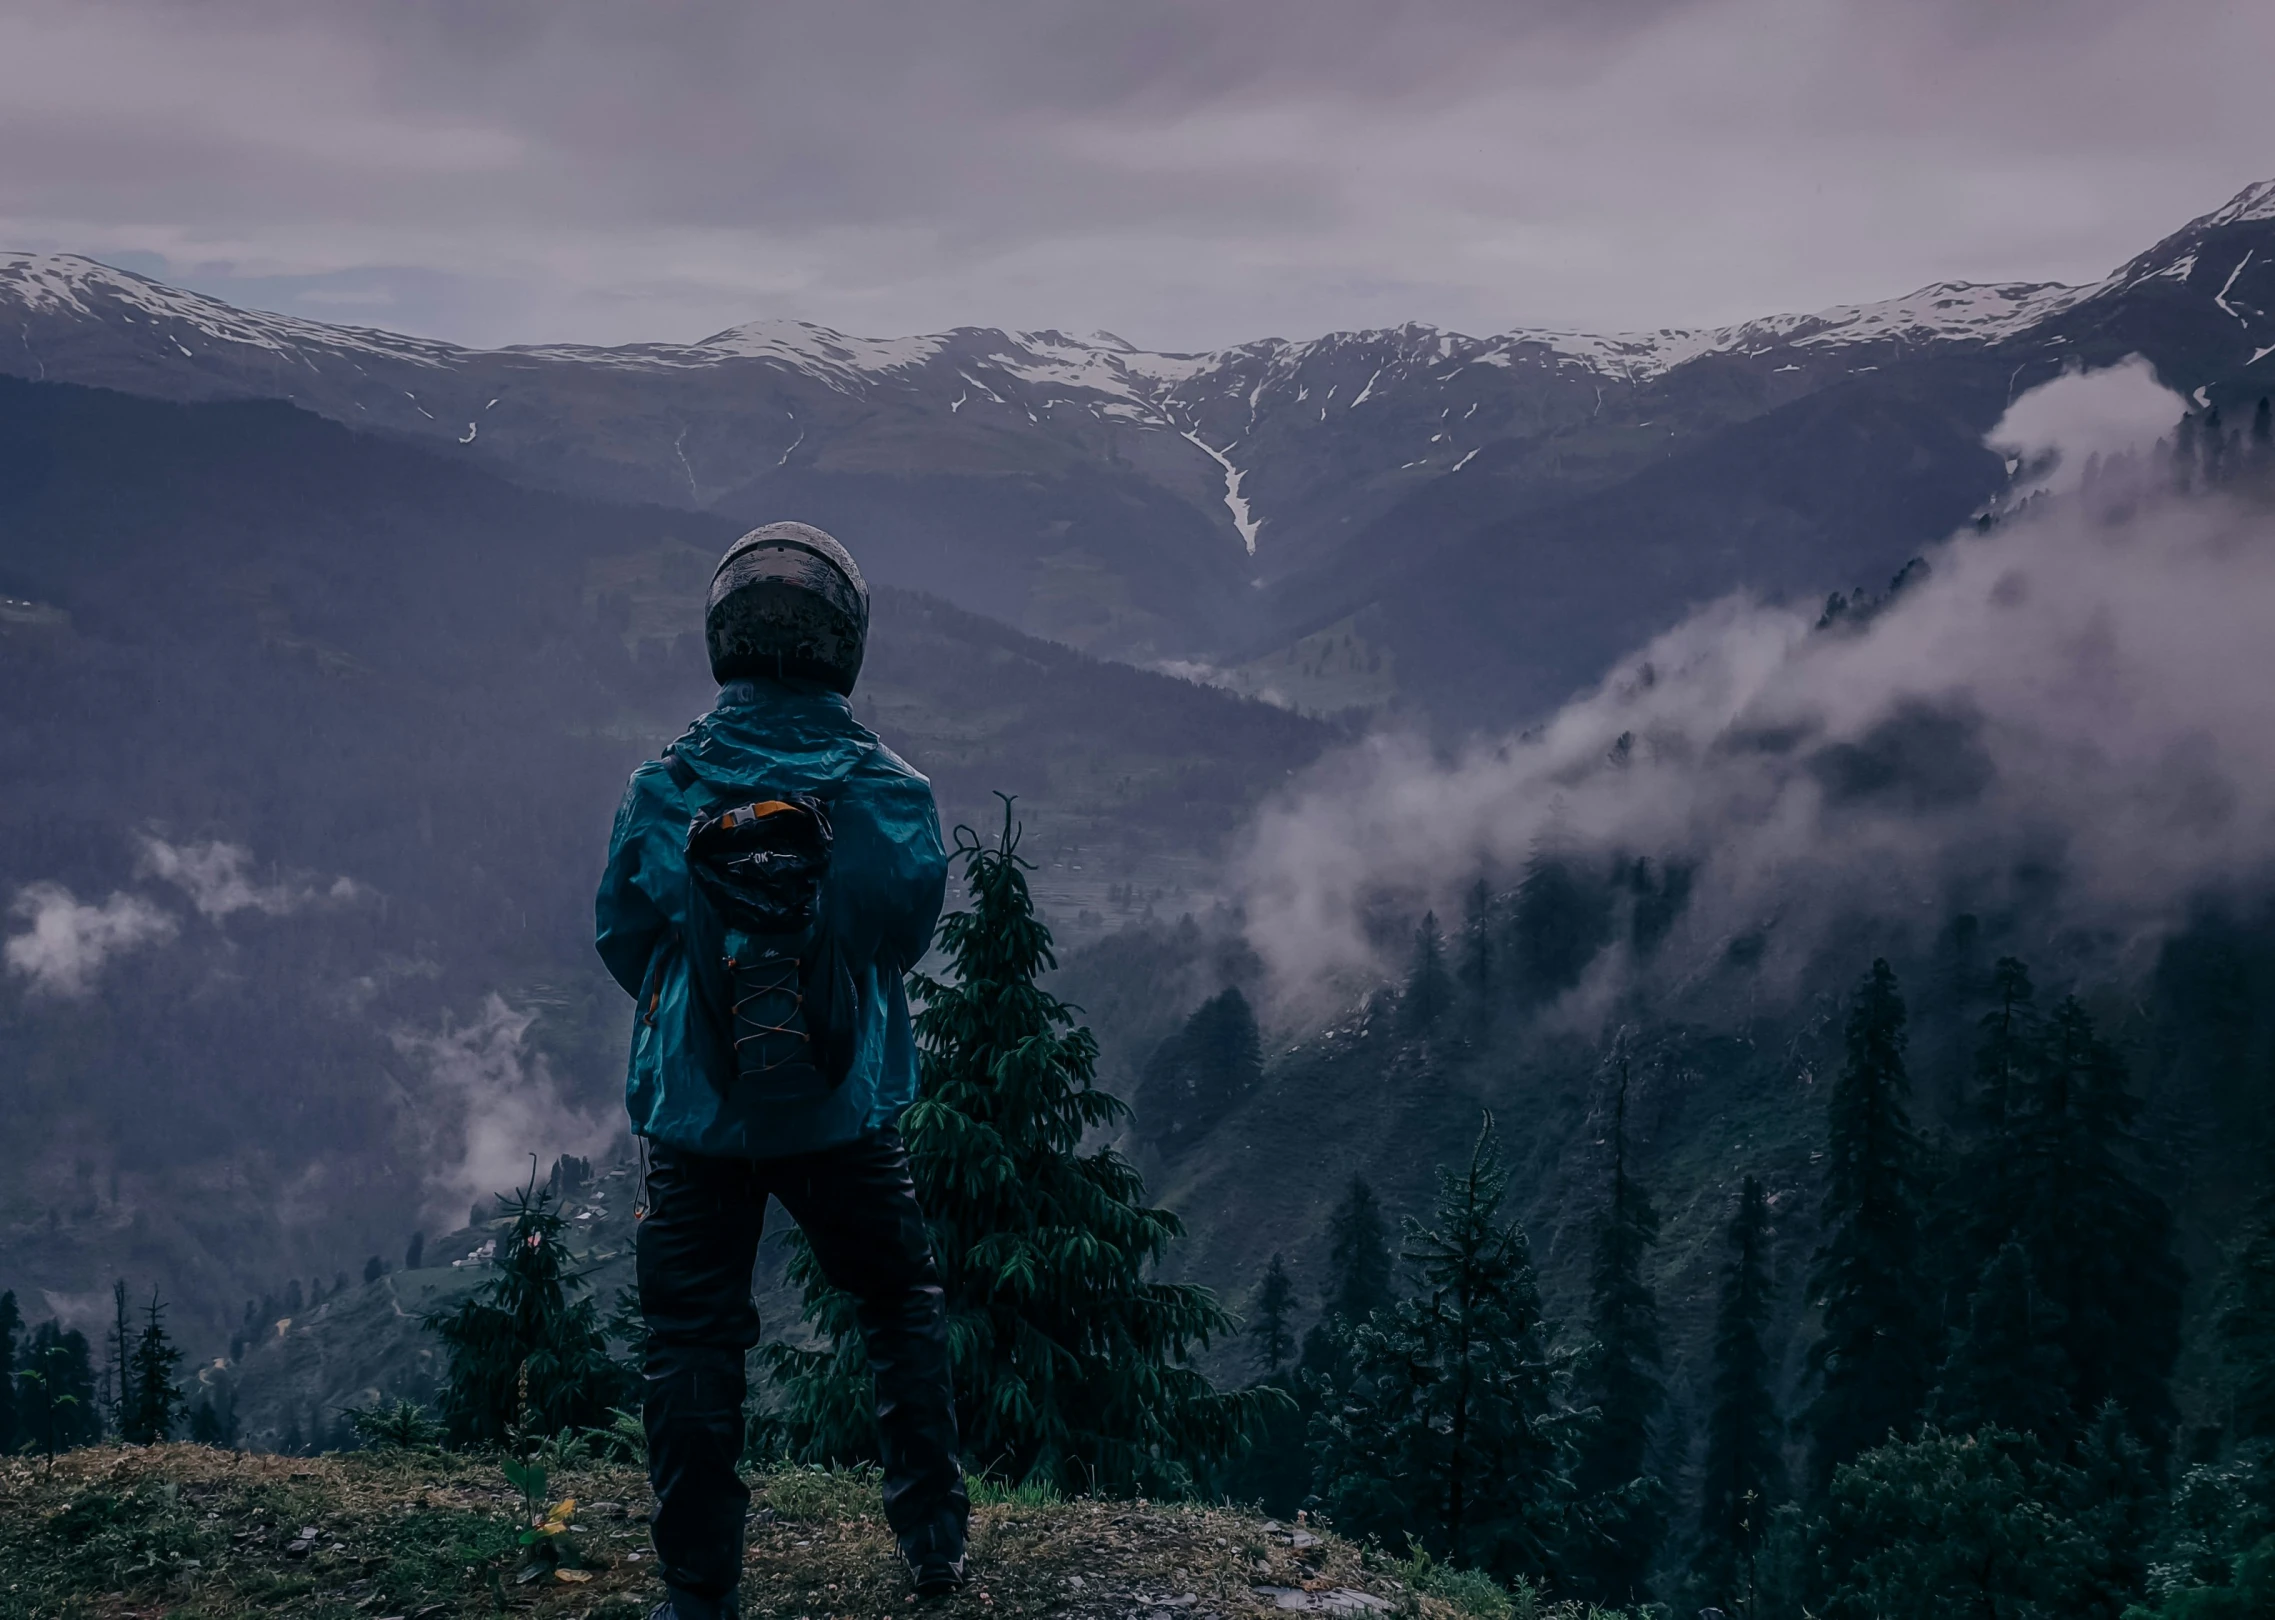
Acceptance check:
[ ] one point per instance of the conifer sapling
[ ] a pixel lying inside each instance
(1072, 1364)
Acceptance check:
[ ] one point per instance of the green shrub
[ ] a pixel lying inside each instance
(397, 1426)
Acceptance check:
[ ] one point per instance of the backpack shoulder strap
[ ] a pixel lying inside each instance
(682, 774)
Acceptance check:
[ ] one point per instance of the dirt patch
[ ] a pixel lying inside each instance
(190, 1533)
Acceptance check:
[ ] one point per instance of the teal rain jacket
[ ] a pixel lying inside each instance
(887, 875)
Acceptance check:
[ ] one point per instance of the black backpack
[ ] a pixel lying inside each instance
(765, 958)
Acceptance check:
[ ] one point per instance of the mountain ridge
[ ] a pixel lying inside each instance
(1987, 311)
(1212, 509)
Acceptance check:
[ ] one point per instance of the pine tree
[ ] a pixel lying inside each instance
(1225, 1036)
(1875, 1352)
(2215, 443)
(213, 1420)
(121, 1348)
(2183, 461)
(2006, 1369)
(1561, 922)
(1072, 1366)
(2246, 1329)
(1622, 1381)
(2110, 1493)
(1978, 1209)
(1358, 1275)
(1271, 1328)
(152, 1400)
(1275, 1472)
(56, 1406)
(1429, 986)
(11, 1323)
(1448, 1430)
(2005, 1072)
(1474, 966)
(1201, 1073)
(526, 1354)
(1358, 1266)
(1745, 1461)
(2100, 1242)
(1358, 1255)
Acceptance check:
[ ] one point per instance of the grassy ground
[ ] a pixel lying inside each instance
(188, 1533)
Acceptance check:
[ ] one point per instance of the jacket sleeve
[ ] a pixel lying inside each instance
(924, 878)
(628, 916)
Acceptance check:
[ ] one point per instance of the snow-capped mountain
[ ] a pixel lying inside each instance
(80, 320)
(1130, 501)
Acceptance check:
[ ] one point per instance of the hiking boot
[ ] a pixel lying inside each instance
(687, 1606)
(936, 1573)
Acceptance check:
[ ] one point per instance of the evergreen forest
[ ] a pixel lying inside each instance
(1990, 1316)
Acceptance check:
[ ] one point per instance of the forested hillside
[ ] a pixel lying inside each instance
(1857, 1069)
(312, 743)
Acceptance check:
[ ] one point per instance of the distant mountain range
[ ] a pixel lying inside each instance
(1471, 526)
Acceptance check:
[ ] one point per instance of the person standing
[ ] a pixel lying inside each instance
(770, 881)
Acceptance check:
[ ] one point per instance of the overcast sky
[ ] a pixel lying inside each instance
(1186, 174)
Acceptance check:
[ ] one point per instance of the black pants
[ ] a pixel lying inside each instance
(697, 1246)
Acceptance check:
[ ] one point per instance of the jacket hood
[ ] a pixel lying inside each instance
(793, 736)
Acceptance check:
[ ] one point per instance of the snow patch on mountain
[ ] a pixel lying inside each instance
(817, 347)
(1986, 312)
(2255, 201)
(1234, 501)
(55, 283)
(1945, 311)
(2221, 297)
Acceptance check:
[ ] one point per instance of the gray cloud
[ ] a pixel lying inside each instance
(2055, 433)
(490, 1103)
(2073, 704)
(218, 879)
(63, 949)
(1187, 173)
(67, 940)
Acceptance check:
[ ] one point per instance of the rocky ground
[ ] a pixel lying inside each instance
(198, 1534)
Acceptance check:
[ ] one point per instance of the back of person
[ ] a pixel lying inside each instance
(772, 1054)
(882, 896)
